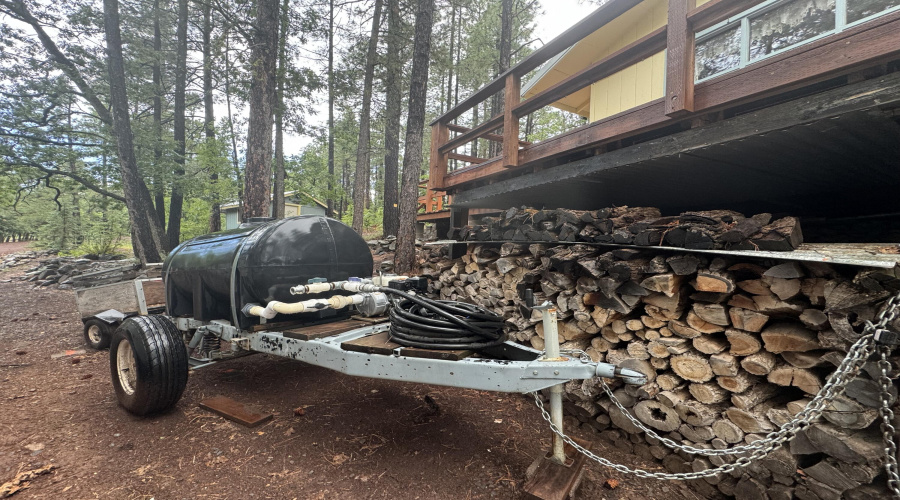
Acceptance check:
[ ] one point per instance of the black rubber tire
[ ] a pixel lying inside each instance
(160, 362)
(105, 333)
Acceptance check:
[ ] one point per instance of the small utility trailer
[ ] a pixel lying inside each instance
(288, 288)
(103, 308)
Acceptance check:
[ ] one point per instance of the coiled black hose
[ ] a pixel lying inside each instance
(442, 324)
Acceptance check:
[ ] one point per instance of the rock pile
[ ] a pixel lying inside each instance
(733, 347)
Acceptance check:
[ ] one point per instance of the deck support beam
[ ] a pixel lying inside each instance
(680, 59)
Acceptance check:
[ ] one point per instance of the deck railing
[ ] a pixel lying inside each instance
(684, 100)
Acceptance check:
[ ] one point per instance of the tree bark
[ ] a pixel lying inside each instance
(330, 201)
(405, 258)
(158, 184)
(263, 55)
(278, 186)
(392, 79)
(176, 202)
(145, 230)
(209, 117)
(360, 181)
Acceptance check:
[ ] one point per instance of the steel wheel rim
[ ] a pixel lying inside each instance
(94, 334)
(126, 367)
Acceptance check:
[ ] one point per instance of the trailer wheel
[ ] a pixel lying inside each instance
(149, 364)
(97, 333)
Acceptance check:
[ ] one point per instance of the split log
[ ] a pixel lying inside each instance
(638, 350)
(641, 366)
(698, 414)
(784, 289)
(742, 343)
(708, 393)
(708, 344)
(760, 363)
(692, 367)
(723, 364)
(701, 325)
(712, 313)
(685, 264)
(669, 381)
(749, 421)
(809, 359)
(745, 319)
(727, 431)
(814, 319)
(826, 472)
(672, 398)
(789, 336)
(773, 306)
(657, 416)
(754, 396)
(848, 414)
(712, 281)
(847, 447)
(666, 284)
(738, 383)
(699, 434)
(683, 330)
(789, 376)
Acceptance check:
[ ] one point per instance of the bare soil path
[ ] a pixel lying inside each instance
(358, 438)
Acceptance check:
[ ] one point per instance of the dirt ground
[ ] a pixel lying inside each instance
(358, 438)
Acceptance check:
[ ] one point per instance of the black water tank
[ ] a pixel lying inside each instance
(213, 276)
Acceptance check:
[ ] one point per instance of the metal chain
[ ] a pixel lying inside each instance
(857, 355)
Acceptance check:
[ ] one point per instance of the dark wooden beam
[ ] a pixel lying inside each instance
(618, 60)
(465, 158)
(679, 60)
(594, 21)
(511, 95)
(437, 168)
(490, 137)
(716, 11)
(479, 131)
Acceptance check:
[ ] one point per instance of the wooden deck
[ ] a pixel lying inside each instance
(851, 52)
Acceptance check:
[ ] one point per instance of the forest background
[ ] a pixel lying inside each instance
(127, 124)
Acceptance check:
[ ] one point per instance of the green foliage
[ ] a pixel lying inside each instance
(103, 231)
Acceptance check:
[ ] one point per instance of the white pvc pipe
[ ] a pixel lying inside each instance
(276, 307)
(348, 286)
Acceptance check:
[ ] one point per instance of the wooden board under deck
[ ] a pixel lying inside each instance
(380, 343)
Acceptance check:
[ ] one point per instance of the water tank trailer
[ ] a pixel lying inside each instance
(301, 288)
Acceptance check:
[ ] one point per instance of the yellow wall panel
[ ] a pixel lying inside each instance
(637, 84)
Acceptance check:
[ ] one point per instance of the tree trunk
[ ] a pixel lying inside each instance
(176, 202)
(392, 79)
(278, 187)
(145, 230)
(209, 117)
(405, 258)
(234, 155)
(263, 54)
(360, 181)
(330, 201)
(158, 184)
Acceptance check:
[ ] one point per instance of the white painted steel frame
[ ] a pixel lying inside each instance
(469, 373)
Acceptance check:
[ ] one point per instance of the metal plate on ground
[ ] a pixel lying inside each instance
(234, 411)
(552, 481)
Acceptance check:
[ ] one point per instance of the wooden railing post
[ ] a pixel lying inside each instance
(679, 59)
(511, 96)
(437, 168)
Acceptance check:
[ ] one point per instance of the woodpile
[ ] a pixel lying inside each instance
(48, 269)
(643, 226)
(733, 348)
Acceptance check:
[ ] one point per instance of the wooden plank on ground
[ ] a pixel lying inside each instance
(321, 331)
(415, 352)
(552, 481)
(234, 411)
(380, 343)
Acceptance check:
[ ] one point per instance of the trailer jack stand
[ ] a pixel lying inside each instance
(556, 474)
(546, 479)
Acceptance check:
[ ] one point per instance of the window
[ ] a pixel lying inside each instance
(774, 26)
(861, 9)
(718, 53)
(790, 24)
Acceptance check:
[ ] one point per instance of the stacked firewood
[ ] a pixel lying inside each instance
(732, 348)
(643, 226)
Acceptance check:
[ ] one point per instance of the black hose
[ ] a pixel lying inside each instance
(442, 324)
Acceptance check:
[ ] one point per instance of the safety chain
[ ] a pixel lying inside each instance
(857, 355)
